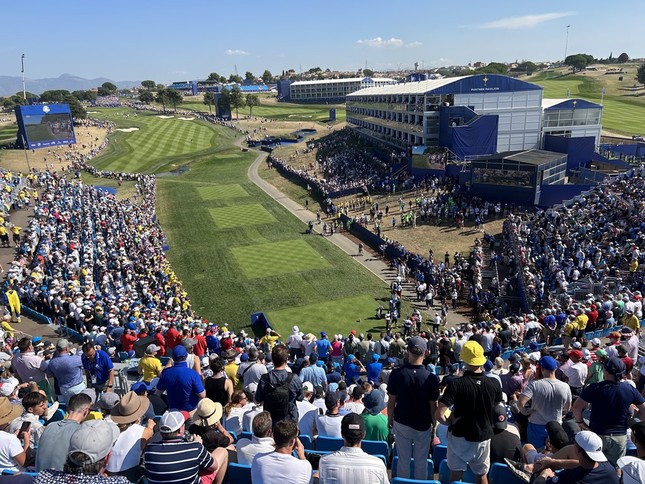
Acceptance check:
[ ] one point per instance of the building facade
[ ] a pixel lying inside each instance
(331, 90)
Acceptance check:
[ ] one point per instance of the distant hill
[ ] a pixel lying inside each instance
(10, 85)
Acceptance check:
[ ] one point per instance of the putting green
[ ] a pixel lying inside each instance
(275, 258)
(240, 216)
(222, 192)
(339, 316)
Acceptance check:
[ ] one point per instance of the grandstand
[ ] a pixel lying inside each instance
(329, 90)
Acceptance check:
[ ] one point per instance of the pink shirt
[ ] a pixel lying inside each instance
(337, 348)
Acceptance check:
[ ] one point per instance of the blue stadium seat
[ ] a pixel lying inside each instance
(597, 333)
(124, 356)
(328, 444)
(444, 474)
(164, 360)
(501, 474)
(395, 463)
(234, 435)
(239, 473)
(439, 453)
(507, 354)
(307, 441)
(247, 435)
(403, 480)
(376, 447)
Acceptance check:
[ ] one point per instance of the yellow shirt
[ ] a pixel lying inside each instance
(270, 340)
(149, 367)
(231, 372)
(632, 322)
(3, 231)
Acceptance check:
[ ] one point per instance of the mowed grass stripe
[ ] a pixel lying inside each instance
(275, 258)
(240, 215)
(222, 192)
(341, 316)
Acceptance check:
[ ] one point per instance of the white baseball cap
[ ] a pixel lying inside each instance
(591, 444)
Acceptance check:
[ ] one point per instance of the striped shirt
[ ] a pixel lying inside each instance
(176, 461)
(351, 464)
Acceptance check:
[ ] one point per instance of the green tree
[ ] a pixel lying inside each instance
(493, 68)
(88, 95)
(12, 101)
(62, 96)
(267, 77)
(174, 97)
(526, 67)
(146, 97)
(162, 97)
(577, 61)
(108, 86)
(252, 100)
(368, 72)
(209, 100)
(249, 76)
(622, 58)
(640, 74)
(234, 78)
(149, 85)
(214, 76)
(237, 100)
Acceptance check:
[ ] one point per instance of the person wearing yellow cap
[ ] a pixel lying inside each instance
(470, 425)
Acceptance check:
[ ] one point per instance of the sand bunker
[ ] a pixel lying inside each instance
(186, 119)
(127, 130)
(165, 117)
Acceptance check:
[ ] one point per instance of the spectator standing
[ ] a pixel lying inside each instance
(294, 342)
(504, 444)
(279, 389)
(549, 397)
(351, 464)
(328, 425)
(610, 401)
(470, 428)
(376, 425)
(323, 347)
(280, 465)
(219, 388)
(413, 393)
(67, 369)
(183, 385)
(150, 365)
(98, 367)
(29, 366)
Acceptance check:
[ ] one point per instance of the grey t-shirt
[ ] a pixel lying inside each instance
(54, 444)
(548, 398)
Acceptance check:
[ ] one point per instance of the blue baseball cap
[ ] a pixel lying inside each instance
(548, 363)
(179, 352)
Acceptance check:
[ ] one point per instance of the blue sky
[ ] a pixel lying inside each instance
(170, 40)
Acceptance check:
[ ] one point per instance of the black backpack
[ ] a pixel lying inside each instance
(276, 397)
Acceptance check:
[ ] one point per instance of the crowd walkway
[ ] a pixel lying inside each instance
(370, 259)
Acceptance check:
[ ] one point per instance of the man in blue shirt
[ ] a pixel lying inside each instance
(611, 401)
(67, 369)
(352, 369)
(323, 347)
(183, 385)
(99, 369)
(374, 368)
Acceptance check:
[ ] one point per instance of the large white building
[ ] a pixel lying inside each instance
(332, 90)
(470, 115)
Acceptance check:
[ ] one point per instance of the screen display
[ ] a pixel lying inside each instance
(45, 125)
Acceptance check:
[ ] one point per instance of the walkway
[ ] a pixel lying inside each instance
(370, 260)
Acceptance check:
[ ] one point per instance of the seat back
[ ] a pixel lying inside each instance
(395, 463)
(246, 435)
(501, 474)
(403, 480)
(307, 441)
(239, 473)
(444, 474)
(328, 444)
(439, 453)
(376, 447)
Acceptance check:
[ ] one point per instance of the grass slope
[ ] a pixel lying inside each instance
(623, 112)
(234, 269)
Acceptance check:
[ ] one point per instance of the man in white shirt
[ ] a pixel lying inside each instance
(351, 463)
(260, 443)
(307, 411)
(294, 342)
(328, 425)
(577, 372)
(280, 465)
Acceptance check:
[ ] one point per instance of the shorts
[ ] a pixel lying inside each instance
(463, 454)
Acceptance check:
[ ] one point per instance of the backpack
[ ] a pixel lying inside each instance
(276, 397)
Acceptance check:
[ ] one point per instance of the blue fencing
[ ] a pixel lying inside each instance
(36, 316)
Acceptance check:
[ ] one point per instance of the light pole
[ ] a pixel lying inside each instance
(566, 43)
(24, 89)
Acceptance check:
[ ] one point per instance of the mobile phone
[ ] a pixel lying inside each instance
(25, 427)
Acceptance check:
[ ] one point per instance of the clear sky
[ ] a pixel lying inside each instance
(171, 40)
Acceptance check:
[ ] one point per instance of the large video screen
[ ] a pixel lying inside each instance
(45, 125)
